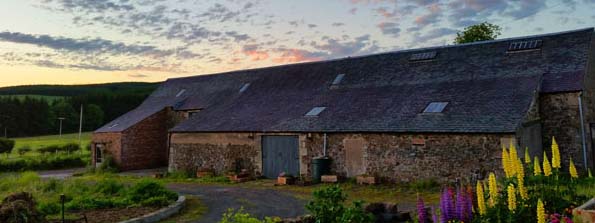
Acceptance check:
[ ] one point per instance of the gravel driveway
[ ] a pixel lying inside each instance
(259, 202)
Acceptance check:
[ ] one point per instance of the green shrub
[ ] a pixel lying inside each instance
(240, 216)
(49, 149)
(148, 192)
(108, 165)
(70, 147)
(327, 207)
(23, 150)
(47, 162)
(6, 145)
(49, 208)
(109, 187)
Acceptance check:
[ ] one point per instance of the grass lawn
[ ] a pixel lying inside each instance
(41, 141)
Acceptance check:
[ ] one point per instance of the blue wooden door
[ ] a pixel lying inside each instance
(280, 154)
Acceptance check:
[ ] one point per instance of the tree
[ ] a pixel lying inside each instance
(6, 145)
(479, 32)
(94, 117)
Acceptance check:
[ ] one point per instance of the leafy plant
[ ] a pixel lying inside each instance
(23, 150)
(6, 145)
(327, 207)
(479, 32)
(151, 193)
(240, 216)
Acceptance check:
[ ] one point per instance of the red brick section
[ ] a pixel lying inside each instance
(112, 142)
(144, 145)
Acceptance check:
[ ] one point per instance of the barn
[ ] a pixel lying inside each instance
(440, 112)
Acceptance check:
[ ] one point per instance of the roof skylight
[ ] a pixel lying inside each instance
(112, 126)
(244, 87)
(338, 79)
(423, 56)
(435, 107)
(525, 45)
(180, 93)
(315, 111)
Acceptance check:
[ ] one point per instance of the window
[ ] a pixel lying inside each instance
(98, 151)
(180, 93)
(244, 87)
(338, 79)
(435, 107)
(192, 113)
(423, 56)
(315, 111)
(525, 45)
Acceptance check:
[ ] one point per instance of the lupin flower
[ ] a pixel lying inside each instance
(512, 158)
(511, 198)
(521, 181)
(421, 210)
(506, 162)
(493, 189)
(434, 217)
(540, 212)
(555, 154)
(547, 169)
(572, 169)
(481, 205)
(527, 157)
(446, 205)
(536, 167)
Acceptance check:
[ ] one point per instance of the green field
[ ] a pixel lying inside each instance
(41, 141)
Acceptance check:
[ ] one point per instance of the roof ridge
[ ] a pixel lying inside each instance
(388, 52)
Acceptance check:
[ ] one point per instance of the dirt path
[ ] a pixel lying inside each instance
(259, 202)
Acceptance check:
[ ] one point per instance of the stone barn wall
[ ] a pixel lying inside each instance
(561, 118)
(113, 145)
(398, 157)
(144, 145)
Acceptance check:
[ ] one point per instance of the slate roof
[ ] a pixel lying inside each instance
(488, 90)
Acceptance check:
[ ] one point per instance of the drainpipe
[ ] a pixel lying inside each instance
(324, 146)
(580, 108)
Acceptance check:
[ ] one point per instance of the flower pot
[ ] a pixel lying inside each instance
(329, 178)
(366, 180)
(586, 212)
(285, 180)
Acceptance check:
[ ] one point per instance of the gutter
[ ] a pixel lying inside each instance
(580, 108)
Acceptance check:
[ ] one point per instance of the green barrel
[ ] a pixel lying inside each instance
(320, 166)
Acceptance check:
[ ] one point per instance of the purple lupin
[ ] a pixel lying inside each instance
(421, 210)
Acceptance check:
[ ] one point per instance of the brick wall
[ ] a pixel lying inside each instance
(401, 157)
(144, 145)
(112, 142)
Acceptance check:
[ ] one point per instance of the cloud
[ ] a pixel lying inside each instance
(386, 13)
(296, 55)
(334, 48)
(390, 28)
(86, 45)
(526, 8)
(93, 5)
(433, 34)
(254, 53)
(337, 24)
(138, 75)
(432, 17)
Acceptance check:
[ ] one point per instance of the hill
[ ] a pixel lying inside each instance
(36, 109)
(74, 90)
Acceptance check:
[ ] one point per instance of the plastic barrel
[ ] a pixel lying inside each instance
(320, 166)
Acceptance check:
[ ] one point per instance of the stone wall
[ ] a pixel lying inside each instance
(144, 145)
(112, 142)
(221, 152)
(560, 118)
(400, 157)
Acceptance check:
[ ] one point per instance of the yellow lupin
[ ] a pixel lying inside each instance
(493, 189)
(540, 212)
(527, 157)
(481, 205)
(521, 180)
(512, 159)
(547, 169)
(505, 162)
(572, 169)
(555, 154)
(511, 198)
(536, 167)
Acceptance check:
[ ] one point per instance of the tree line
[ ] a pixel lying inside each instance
(33, 116)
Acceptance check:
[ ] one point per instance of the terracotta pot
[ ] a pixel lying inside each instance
(366, 180)
(586, 212)
(329, 178)
(285, 180)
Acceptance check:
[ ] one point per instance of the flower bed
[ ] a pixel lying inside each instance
(529, 191)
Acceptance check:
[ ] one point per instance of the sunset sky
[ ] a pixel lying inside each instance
(97, 41)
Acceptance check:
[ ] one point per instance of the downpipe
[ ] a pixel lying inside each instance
(580, 108)
(324, 146)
